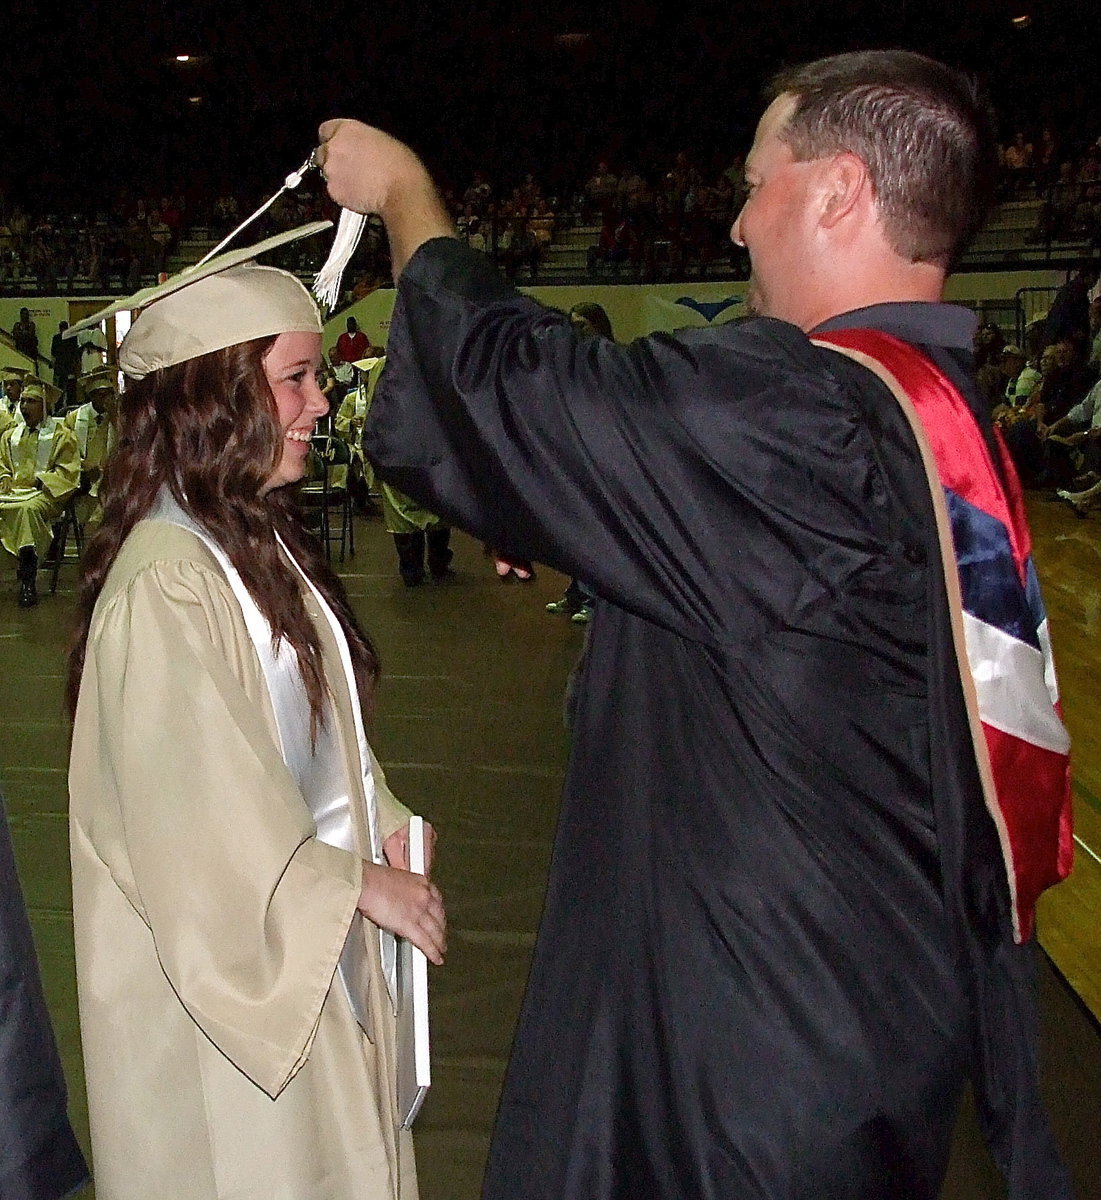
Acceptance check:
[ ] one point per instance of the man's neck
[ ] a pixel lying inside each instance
(925, 286)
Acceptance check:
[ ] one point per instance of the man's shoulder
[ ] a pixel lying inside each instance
(753, 347)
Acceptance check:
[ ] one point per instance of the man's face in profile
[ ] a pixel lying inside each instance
(774, 222)
(102, 399)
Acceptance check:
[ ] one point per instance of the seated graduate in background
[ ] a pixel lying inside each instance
(349, 425)
(236, 852)
(94, 425)
(39, 471)
(9, 396)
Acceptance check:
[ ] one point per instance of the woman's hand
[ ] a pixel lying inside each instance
(406, 904)
(396, 847)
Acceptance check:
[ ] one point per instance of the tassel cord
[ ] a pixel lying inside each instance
(291, 181)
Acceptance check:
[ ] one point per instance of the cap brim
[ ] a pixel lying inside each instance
(189, 275)
(365, 364)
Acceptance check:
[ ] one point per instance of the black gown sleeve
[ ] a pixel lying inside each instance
(39, 1156)
(690, 478)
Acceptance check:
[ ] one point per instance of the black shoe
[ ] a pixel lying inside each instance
(28, 574)
(411, 580)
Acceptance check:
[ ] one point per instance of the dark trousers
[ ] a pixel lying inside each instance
(412, 548)
(578, 595)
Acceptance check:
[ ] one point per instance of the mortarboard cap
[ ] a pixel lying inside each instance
(219, 303)
(96, 381)
(35, 388)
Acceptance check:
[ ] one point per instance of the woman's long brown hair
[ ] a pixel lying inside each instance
(208, 430)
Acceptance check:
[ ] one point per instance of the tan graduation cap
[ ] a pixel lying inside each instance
(38, 389)
(103, 379)
(215, 304)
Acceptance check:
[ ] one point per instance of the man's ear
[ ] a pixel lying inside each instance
(844, 187)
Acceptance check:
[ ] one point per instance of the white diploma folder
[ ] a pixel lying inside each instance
(414, 1068)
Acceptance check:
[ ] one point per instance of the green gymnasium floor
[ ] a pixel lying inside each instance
(470, 732)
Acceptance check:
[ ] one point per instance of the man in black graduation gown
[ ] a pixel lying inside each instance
(777, 933)
(39, 1156)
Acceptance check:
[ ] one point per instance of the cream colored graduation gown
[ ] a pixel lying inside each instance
(349, 419)
(400, 513)
(96, 436)
(39, 471)
(222, 1059)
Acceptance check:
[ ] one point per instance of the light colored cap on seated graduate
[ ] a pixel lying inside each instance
(365, 364)
(218, 303)
(103, 379)
(13, 374)
(38, 389)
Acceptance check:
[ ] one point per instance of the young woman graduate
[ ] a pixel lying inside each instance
(234, 844)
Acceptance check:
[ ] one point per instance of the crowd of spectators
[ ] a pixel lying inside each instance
(677, 223)
(126, 242)
(1046, 396)
(667, 220)
(131, 240)
(671, 221)
(1064, 175)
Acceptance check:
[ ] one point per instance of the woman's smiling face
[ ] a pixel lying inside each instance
(291, 367)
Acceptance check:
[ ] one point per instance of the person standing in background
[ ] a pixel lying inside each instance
(353, 344)
(25, 335)
(66, 359)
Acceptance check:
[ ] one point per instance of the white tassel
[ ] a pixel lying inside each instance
(326, 286)
(349, 230)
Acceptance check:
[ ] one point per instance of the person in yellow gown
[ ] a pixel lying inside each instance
(11, 388)
(348, 423)
(93, 424)
(421, 538)
(237, 855)
(39, 471)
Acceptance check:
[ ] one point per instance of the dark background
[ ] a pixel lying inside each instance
(93, 106)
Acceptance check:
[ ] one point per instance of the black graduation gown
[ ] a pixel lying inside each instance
(39, 1156)
(775, 928)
